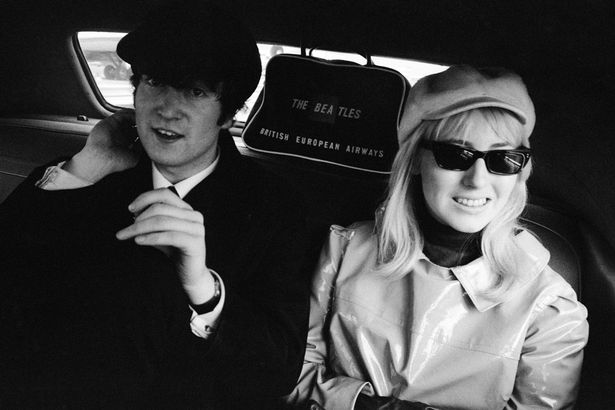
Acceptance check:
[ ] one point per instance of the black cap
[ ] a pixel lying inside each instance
(194, 40)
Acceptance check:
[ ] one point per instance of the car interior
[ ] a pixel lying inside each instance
(564, 51)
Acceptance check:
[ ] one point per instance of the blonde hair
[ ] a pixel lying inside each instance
(400, 240)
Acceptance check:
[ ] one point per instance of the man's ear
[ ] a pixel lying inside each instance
(227, 124)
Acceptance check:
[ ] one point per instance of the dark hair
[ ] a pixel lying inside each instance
(190, 40)
(230, 100)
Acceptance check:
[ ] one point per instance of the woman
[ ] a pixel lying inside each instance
(445, 299)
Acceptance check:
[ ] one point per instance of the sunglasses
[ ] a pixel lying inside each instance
(457, 158)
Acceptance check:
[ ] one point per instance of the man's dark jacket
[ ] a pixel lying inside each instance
(88, 318)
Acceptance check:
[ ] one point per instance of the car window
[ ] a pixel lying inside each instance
(112, 75)
(110, 72)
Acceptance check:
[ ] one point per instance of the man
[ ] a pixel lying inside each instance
(121, 291)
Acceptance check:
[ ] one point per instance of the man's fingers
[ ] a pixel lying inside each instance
(162, 223)
(168, 238)
(181, 241)
(187, 244)
(125, 123)
(114, 127)
(125, 113)
(123, 119)
(162, 195)
(163, 209)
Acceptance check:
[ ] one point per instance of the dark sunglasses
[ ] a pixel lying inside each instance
(457, 158)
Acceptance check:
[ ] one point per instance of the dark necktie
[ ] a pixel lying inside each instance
(172, 189)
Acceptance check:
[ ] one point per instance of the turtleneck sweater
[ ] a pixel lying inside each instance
(445, 246)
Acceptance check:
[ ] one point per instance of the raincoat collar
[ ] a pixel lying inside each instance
(476, 277)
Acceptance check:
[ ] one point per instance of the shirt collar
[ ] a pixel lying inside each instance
(186, 185)
(477, 277)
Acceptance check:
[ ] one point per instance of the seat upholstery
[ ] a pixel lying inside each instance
(598, 294)
(584, 258)
(560, 235)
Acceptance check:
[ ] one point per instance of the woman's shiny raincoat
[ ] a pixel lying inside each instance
(433, 337)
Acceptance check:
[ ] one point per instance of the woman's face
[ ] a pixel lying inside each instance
(466, 200)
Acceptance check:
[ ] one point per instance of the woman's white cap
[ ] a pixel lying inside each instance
(462, 88)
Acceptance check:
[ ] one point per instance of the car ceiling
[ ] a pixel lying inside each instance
(571, 41)
(565, 51)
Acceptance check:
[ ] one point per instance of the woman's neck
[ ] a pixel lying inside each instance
(444, 245)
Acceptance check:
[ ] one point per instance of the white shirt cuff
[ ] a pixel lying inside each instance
(56, 178)
(204, 325)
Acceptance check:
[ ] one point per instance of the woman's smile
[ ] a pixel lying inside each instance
(471, 203)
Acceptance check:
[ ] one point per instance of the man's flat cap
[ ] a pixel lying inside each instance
(194, 40)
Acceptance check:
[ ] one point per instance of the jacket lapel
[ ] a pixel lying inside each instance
(225, 200)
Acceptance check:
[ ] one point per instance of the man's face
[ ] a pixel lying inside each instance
(178, 128)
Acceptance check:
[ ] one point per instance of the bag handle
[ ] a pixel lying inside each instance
(364, 54)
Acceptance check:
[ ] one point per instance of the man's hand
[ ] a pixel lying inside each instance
(110, 148)
(168, 223)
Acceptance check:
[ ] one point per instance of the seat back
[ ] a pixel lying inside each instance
(587, 261)
(332, 195)
(560, 235)
(598, 295)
